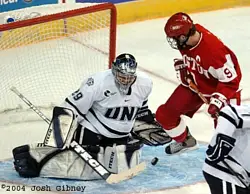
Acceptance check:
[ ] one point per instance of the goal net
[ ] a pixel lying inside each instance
(47, 51)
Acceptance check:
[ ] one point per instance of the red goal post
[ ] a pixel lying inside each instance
(48, 56)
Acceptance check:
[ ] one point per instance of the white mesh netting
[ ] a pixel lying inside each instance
(48, 61)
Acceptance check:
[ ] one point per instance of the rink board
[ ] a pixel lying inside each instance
(169, 172)
(150, 9)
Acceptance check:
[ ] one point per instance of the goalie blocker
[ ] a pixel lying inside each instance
(56, 158)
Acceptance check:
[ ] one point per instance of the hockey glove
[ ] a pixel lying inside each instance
(182, 73)
(218, 152)
(146, 116)
(217, 102)
(148, 130)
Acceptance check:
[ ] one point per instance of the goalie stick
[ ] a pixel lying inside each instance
(14, 89)
(93, 163)
(203, 98)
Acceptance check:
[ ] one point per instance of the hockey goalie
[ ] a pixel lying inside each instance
(107, 116)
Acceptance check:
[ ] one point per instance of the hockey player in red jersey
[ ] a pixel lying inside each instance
(211, 65)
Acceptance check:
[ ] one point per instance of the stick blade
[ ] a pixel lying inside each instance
(125, 175)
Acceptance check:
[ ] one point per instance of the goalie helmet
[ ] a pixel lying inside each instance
(124, 71)
(178, 29)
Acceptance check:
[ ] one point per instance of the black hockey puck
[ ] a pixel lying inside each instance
(154, 161)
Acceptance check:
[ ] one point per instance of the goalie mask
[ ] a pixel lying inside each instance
(124, 71)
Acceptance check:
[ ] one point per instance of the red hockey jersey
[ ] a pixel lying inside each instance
(214, 66)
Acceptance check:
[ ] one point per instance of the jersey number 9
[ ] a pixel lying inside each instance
(228, 73)
(77, 95)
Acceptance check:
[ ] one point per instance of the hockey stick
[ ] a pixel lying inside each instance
(195, 88)
(236, 175)
(102, 171)
(13, 89)
(34, 108)
(93, 163)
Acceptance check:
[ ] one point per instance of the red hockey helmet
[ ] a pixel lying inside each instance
(178, 29)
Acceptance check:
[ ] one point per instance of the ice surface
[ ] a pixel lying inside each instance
(146, 41)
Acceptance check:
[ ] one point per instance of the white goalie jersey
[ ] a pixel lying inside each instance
(100, 107)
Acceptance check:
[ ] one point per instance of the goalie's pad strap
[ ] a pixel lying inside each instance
(48, 157)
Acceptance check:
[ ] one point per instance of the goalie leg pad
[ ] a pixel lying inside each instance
(61, 129)
(32, 160)
(68, 164)
(119, 158)
(24, 163)
(57, 163)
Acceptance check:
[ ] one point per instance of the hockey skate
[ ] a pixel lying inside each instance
(178, 148)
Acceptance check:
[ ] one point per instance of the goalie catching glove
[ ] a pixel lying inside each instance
(148, 130)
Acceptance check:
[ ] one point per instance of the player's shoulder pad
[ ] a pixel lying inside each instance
(243, 109)
(227, 109)
(215, 47)
(144, 80)
(143, 84)
(97, 79)
(232, 111)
